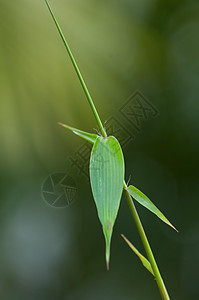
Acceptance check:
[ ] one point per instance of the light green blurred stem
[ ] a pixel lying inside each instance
(102, 130)
(146, 245)
(138, 223)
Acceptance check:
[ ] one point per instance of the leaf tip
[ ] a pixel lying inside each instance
(107, 255)
(123, 236)
(107, 265)
(126, 240)
(173, 227)
(108, 234)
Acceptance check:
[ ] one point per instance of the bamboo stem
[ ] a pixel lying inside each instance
(88, 96)
(146, 245)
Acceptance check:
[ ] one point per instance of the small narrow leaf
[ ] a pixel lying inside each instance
(144, 261)
(90, 137)
(146, 202)
(107, 176)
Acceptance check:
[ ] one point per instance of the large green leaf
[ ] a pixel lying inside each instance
(146, 202)
(107, 176)
(144, 261)
(90, 137)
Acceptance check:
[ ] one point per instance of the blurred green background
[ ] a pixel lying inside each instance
(121, 46)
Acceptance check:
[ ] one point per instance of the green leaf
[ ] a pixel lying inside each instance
(90, 137)
(146, 202)
(144, 261)
(107, 176)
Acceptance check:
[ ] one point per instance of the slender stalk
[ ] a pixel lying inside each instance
(146, 245)
(102, 130)
(130, 202)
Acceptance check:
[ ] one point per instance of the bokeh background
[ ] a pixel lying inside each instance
(121, 46)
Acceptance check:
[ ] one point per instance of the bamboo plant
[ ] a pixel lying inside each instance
(107, 179)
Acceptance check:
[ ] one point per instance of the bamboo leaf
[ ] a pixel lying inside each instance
(144, 261)
(107, 176)
(146, 202)
(90, 137)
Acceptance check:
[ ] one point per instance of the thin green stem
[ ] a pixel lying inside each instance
(146, 245)
(88, 96)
